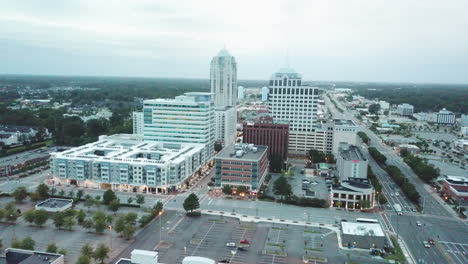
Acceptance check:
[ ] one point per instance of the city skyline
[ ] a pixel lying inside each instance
(370, 41)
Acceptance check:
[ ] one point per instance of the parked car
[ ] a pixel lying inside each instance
(426, 244)
(224, 261)
(305, 181)
(241, 249)
(418, 223)
(244, 241)
(431, 241)
(397, 194)
(230, 244)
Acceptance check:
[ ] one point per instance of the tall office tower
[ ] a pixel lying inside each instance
(223, 79)
(240, 92)
(292, 102)
(189, 118)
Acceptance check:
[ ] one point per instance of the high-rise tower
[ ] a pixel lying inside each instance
(223, 79)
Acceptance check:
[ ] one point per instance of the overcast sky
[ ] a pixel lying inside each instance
(355, 40)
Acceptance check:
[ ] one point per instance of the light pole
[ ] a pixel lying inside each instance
(160, 226)
(110, 237)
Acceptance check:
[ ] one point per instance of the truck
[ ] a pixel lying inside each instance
(397, 209)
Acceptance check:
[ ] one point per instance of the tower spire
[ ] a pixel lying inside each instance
(287, 59)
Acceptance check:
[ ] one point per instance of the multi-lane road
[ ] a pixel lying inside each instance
(438, 222)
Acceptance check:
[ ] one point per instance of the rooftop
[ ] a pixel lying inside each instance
(54, 203)
(242, 152)
(287, 71)
(351, 152)
(192, 97)
(20, 256)
(130, 148)
(362, 229)
(343, 122)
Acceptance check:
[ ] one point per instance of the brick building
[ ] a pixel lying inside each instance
(264, 131)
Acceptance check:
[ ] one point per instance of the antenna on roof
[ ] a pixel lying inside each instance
(287, 59)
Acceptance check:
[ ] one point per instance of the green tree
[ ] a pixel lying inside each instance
(68, 222)
(20, 194)
(100, 226)
(365, 204)
(28, 243)
(101, 253)
(35, 196)
(227, 189)
(114, 205)
(41, 216)
(276, 162)
(11, 212)
(108, 196)
(29, 216)
(119, 224)
(61, 193)
(79, 194)
(80, 216)
(242, 189)
(89, 201)
(87, 250)
(374, 108)
(191, 203)
(43, 191)
(131, 218)
(62, 251)
(88, 224)
(140, 199)
(71, 193)
(83, 260)
(52, 248)
(2, 213)
(282, 187)
(130, 200)
(128, 231)
(59, 220)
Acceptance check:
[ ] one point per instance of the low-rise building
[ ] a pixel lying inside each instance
(9, 139)
(22, 256)
(139, 256)
(413, 149)
(323, 169)
(455, 187)
(351, 162)
(445, 117)
(241, 165)
(125, 162)
(362, 235)
(405, 109)
(351, 193)
(54, 205)
(464, 125)
(344, 131)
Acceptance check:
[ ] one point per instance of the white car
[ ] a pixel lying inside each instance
(305, 181)
(426, 244)
(418, 223)
(391, 194)
(314, 183)
(397, 194)
(230, 244)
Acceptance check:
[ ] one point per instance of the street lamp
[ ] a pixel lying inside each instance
(110, 236)
(160, 225)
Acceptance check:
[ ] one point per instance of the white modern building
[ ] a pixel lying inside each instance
(240, 92)
(223, 80)
(344, 131)
(9, 139)
(226, 125)
(384, 105)
(351, 162)
(189, 118)
(464, 125)
(265, 92)
(351, 193)
(445, 117)
(124, 162)
(292, 102)
(137, 118)
(405, 109)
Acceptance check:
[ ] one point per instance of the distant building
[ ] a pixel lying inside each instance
(9, 139)
(464, 125)
(188, 118)
(405, 109)
(413, 149)
(362, 235)
(350, 193)
(351, 162)
(344, 131)
(421, 116)
(265, 131)
(223, 79)
(445, 117)
(23, 256)
(384, 105)
(241, 165)
(137, 123)
(265, 92)
(240, 92)
(123, 162)
(455, 187)
(198, 260)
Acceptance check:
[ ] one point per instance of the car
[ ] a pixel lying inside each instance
(241, 249)
(431, 241)
(391, 194)
(400, 213)
(426, 244)
(397, 194)
(230, 244)
(244, 241)
(314, 183)
(305, 181)
(414, 210)
(418, 223)
(224, 261)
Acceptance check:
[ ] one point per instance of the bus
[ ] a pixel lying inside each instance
(367, 220)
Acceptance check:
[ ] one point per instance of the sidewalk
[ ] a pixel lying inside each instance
(442, 202)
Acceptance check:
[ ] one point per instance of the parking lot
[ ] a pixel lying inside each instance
(219, 238)
(458, 252)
